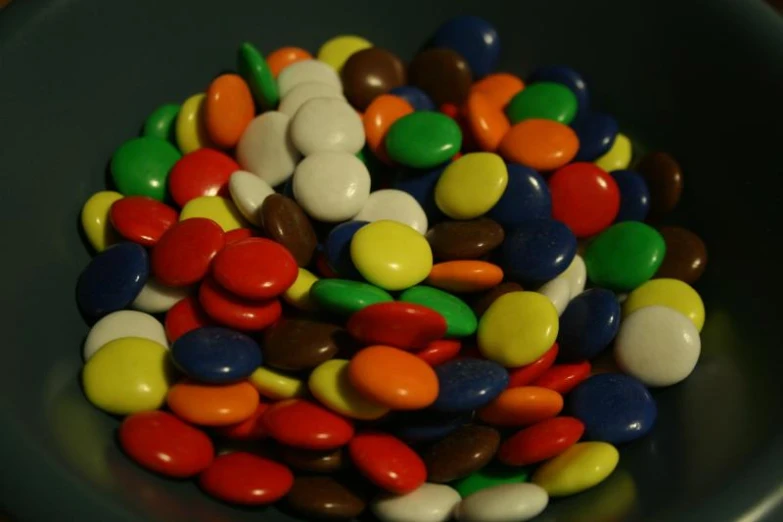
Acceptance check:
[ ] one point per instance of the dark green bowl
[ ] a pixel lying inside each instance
(703, 80)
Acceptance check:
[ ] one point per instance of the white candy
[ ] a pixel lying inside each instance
(305, 92)
(125, 323)
(327, 125)
(657, 345)
(307, 71)
(395, 205)
(559, 292)
(332, 186)
(266, 149)
(503, 503)
(576, 275)
(429, 503)
(249, 192)
(156, 298)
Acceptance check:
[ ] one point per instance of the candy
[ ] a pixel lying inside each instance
(525, 198)
(585, 198)
(302, 424)
(156, 298)
(313, 461)
(417, 98)
(488, 477)
(428, 503)
(423, 139)
(466, 384)
(387, 462)
(95, 219)
(503, 503)
(400, 324)
(528, 373)
(664, 179)
(339, 49)
(618, 157)
(184, 253)
(266, 148)
(113, 279)
(422, 187)
(346, 297)
(394, 205)
(539, 144)
(123, 323)
(237, 312)
(277, 385)
(634, 196)
(302, 344)
(461, 453)
(558, 291)
(588, 325)
(460, 319)
(243, 478)
(487, 122)
(141, 219)
(565, 76)
(185, 316)
(499, 88)
(204, 172)
(306, 71)
(378, 118)
(454, 240)
(251, 428)
(428, 425)
(324, 498)
(281, 58)
(596, 132)
(484, 301)
(538, 250)
(331, 186)
(465, 276)
(228, 110)
(212, 405)
(471, 185)
(686, 255)
(248, 192)
(330, 383)
(578, 468)
(285, 222)
(667, 292)
(562, 378)
(259, 74)
(216, 355)
(327, 125)
(522, 406)
(255, 268)
(369, 73)
(140, 167)
(220, 210)
(440, 351)
(443, 74)
(305, 92)
(541, 441)
(337, 249)
(191, 133)
(543, 100)
(160, 123)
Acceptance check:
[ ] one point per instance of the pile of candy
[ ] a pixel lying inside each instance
(369, 270)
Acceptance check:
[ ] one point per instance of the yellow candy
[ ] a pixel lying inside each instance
(298, 295)
(618, 157)
(220, 210)
(336, 51)
(391, 255)
(128, 375)
(276, 385)
(518, 328)
(329, 384)
(95, 219)
(578, 468)
(191, 133)
(672, 293)
(470, 186)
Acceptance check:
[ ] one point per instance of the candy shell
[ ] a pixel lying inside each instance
(298, 294)
(302, 344)
(664, 179)
(537, 251)
(423, 139)
(204, 172)
(672, 293)
(394, 205)
(539, 144)
(485, 300)
(453, 240)
(246, 479)
(472, 37)
(563, 378)
(499, 88)
(160, 123)
(276, 385)
(266, 148)
(255, 268)
(113, 279)
(421, 185)
(440, 351)
(487, 122)
(565, 76)
(522, 406)
(337, 249)
(378, 118)
(212, 405)
(157, 298)
(327, 125)
(191, 132)
(541, 441)
(332, 186)
(464, 276)
(596, 132)
(585, 198)
(331, 385)
(624, 256)
(324, 498)
(347, 297)
(428, 503)
(123, 323)
(228, 109)
(443, 74)
(259, 75)
(96, 222)
(460, 319)
(185, 316)
(184, 253)
(502, 503)
(302, 424)
(461, 453)
(370, 73)
(387, 462)
(471, 185)
(543, 100)
(306, 71)
(313, 461)
(251, 428)
(140, 167)
(686, 255)
(578, 468)
(220, 210)
(529, 373)
(526, 197)
(400, 324)
(488, 477)
(305, 92)
(281, 58)
(284, 221)
(336, 51)
(216, 355)
(427, 425)
(237, 312)
(466, 384)
(417, 98)
(619, 155)
(249, 192)
(588, 325)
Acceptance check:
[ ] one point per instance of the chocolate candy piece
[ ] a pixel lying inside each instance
(462, 452)
(472, 239)
(285, 222)
(370, 73)
(313, 461)
(664, 179)
(324, 498)
(302, 344)
(443, 74)
(486, 299)
(686, 255)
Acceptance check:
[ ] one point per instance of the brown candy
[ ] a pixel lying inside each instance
(443, 74)
(463, 451)
(312, 461)
(664, 179)
(472, 239)
(324, 498)
(686, 255)
(485, 301)
(302, 344)
(285, 222)
(369, 73)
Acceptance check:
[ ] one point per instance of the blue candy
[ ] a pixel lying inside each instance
(588, 324)
(614, 408)
(526, 197)
(634, 196)
(421, 185)
(338, 249)
(596, 132)
(112, 280)
(418, 99)
(474, 38)
(467, 384)
(427, 425)
(537, 251)
(568, 77)
(216, 355)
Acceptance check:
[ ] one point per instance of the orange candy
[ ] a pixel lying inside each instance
(213, 405)
(252, 428)
(540, 144)
(522, 406)
(378, 117)
(499, 88)
(394, 378)
(228, 109)
(282, 58)
(488, 124)
(465, 276)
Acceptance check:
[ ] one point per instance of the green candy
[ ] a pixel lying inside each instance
(624, 256)
(253, 68)
(460, 319)
(160, 124)
(489, 477)
(140, 167)
(346, 297)
(545, 100)
(423, 139)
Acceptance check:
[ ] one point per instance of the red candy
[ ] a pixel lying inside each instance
(237, 312)
(388, 462)
(541, 441)
(525, 375)
(305, 425)
(584, 197)
(255, 268)
(440, 351)
(564, 377)
(204, 172)
(184, 253)
(404, 325)
(141, 219)
(162, 443)
(252, 428)
(243, 478)
(238, 234)
(185, 316)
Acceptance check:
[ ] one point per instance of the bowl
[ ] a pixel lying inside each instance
(701, 80)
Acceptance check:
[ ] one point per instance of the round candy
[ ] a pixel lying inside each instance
(558, 291)
(378, 118)
(393, 378)
(251, 428)
(634, 196)
(465, 276)
(302, 424)
(518, 328)
(387, 462)
(248, 192)
(428, 425)
(453, 240)
(298, 295)
(124, 323)
(460, 319)
(657, 345)
(164, 444)
(331, 385)
(305, 92)
(332, 186)
(346, 297)
(337, 249)
(370, 73)
(588, 325)
(255, 268)
(184, 254)
(228, 109)
(313, 461)
(191, 133)
(539, 144)
(302, 344)
(619, 155)
(236, 312)
(485, 300)
(417, 98)
(472, 37)
(285, 56)
(428, 503)
(624, 256)
(686, 255)
(440, 351)
(538, 250)
(220, 210)
(578, 468)
(528, 373)
(563, 378)
(488, 477)
(499, 88)
(667, 292)
(522, 406)
(585, 198)
(327, 125)
(95, 219)
(244, 478)
(471, 185)
(526, 198)
(259, 75)
(324, 498)
(443, 74)
(216, 355)
(113, 279)
(466, 384)
(461, 453)
(185, 316)
(204, 172)
(400, 324)
(266, 148)
(505, 502)
(211, 405)
(564, 76)
(339, 49)
(543, 100)
(277, 385)
(128, 375)
(160, 123)
(141, 219)
(422, 187)
(306, 71)
(423, 139)
(141, 166)
(487, 122)
(156, 298)
(284, 221)
(541, 441)
(596, 131)
(664, 179)
(394, 205)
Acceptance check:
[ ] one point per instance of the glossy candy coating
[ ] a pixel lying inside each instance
(522, 406)
(461, 453)
(303, 424)
(394, 205)
(619, 155)
(212, 405)
(185, 252)
(488, 124)
(347, 297)
(332, 186)
(160, 123)
(543, 100)
(259, 75)
(537, 251)
(465, 276)
(563, 378)
(686, 255)
(123, 323)
(541, 441)
(228, 109)
(588, 325)
(185, 316)
(585, 198)
(337, 249)
(266, 148)
(529, 373)
(596, 132)
(671, 293)
(470, 186)
(525, 198)
(542, 145)
(216, 355)
(140, 167)
(281, 58)
(472, 37)
(298, 294)
(313, 461)
(405, 325)
(443, 74)
(191, 131)
(503, 503)
(453, 240)
(204, 172)
(247, 479)
(664, 179)
(634, 196)
(460, 319)
(301, 344)
(387, 462)
(112, 279)
(237, 312)
(255, 268)
(277, 385)
(327, 125)
(440, 351)
(423, 139)
(485, 300)
(330, 383)
(324, 498)
(284, 221)
(220, 210)
(338, 50)
(378, 118)
(500, 88)
(141, 219)
(251, 428)
(369, 73)
(567, 76)
(428, 503)
(466, 384)
(306, 71)
(624, 256)
(96, 222)
(578, 468)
